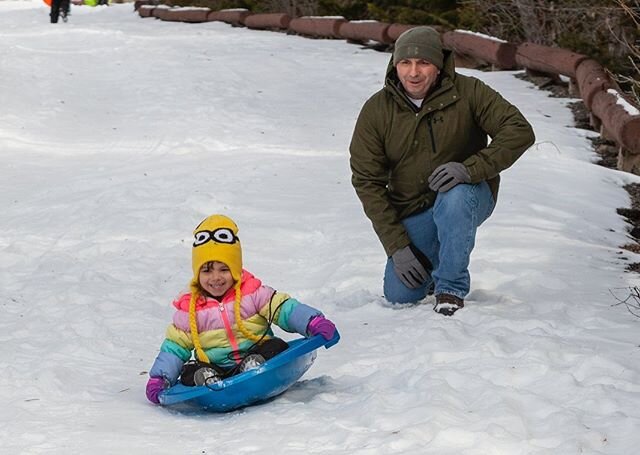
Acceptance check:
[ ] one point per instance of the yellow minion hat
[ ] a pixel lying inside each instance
(216, 239)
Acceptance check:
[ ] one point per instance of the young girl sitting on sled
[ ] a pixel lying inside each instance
(226, 316)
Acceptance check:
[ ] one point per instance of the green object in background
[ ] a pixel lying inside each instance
(91, 2)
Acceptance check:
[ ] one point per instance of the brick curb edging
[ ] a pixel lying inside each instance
(611, 115)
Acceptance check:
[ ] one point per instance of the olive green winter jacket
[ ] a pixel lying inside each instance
(396, 146)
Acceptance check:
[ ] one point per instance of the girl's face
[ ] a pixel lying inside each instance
(215, 278)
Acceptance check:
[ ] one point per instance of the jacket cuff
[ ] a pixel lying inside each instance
(397, 244)
(471, 164)
(300, 317)
(167, 366)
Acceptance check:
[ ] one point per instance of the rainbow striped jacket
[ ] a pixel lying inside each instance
(218, 331)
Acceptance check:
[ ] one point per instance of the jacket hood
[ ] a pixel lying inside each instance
(392, 82)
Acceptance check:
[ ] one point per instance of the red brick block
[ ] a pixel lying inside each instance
(272, 21)
(363, 31)
(318, 27)
(617, 121)
(161, 12)
(592, 78)
(489, 50)
(146, 10)
(551, 60)
(235, 17)
(395, 30)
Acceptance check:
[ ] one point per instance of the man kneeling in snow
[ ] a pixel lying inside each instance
(424, 171)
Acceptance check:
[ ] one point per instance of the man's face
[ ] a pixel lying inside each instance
(417, 76)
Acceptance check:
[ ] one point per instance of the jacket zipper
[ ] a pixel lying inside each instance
(230, 335)
(433, 139)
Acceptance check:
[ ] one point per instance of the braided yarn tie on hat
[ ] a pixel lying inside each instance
(193, 322)
(239, 323)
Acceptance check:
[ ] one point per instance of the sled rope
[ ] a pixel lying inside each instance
(236, 308)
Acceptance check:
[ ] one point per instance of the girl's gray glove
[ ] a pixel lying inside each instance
(411, 266)
(448, 175)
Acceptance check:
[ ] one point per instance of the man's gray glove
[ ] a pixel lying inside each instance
(448, 175)
(411, 266)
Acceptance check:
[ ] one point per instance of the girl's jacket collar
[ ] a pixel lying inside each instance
(248, 285)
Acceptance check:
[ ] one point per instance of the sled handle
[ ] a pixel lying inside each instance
(333, 340)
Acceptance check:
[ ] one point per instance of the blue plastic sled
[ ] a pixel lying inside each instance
(272, 378)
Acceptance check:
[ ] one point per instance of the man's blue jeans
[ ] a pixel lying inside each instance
(446, 233)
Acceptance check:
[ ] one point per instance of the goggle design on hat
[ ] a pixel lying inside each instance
(220, 235)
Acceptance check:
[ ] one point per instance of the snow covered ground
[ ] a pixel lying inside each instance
(119, 134)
